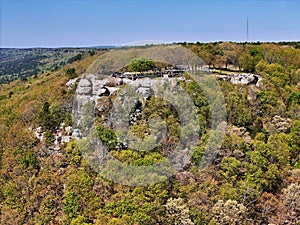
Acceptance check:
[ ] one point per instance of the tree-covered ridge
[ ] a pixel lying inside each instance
(23, 63)
(245, 56)
(254, 179)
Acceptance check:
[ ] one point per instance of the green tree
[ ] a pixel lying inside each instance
(71, 73)
(268, 162)
(30, 160)
(249, 60)
(237, 109)
(51, 116)
(230, 169)
(73, 152)
(141, 65)
(107, 136)
(70, 205)
(80, 220)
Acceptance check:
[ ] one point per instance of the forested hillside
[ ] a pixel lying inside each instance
(23, 63)
(254, 178)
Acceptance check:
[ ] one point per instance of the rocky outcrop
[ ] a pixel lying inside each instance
(90, 87)
(71, 83)
(63, 134)
(111, 98)
(103, 91)
(244, 78)
(145, 91)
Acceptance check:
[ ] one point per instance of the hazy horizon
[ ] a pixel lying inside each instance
(124, 45)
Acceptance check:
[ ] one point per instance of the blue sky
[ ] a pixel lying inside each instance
(53, 23)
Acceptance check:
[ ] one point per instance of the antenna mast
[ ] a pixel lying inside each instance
(247, 35)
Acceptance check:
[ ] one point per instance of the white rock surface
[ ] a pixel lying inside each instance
(69, 130)
(146, 92)
(76, 134)
(244, 78)
(72, 82)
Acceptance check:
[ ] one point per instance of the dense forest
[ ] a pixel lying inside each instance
(23, 63)
(254, 178)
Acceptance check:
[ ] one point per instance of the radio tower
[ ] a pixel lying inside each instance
(247, 34)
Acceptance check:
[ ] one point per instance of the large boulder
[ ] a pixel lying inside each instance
(84, 87)
(126, 81)
(72, 82)
(103, 91)
(103, 105)
(146, 92)
(112, 90)
(144, 82)
(76, 134)
(244, 78)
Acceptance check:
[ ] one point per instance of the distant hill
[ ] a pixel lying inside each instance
(23, 63)
(105, 47)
